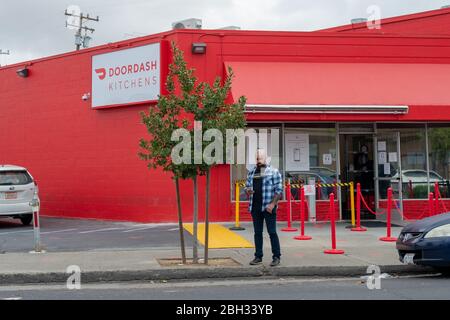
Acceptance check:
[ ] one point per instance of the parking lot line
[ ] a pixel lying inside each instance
(99, 230)
(139, 229)
(65, 230)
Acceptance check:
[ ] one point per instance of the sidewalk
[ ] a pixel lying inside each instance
(299, 258)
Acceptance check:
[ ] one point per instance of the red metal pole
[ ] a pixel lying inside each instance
(388, 237)
(289, 227)
(411, 191)
(302, 217)
(335, 187)
(430, 204)
(358, 210)
(319, 191)
(333, 249)
(436, 197)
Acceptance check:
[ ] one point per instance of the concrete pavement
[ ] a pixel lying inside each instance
(126, 263)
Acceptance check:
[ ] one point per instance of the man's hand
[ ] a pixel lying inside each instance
(270, 207)
(249, 191)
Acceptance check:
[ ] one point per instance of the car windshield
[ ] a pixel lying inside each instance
(8, 178)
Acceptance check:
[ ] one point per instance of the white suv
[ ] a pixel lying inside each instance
(17, 190)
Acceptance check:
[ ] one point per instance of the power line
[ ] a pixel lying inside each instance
(79, 38)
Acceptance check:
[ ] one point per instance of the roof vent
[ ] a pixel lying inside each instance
(358, 20)
(230, 28)
(188, 24)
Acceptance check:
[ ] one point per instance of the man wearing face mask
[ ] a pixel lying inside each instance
(264, 186)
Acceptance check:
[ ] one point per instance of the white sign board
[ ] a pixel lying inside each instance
(387, 169)
(310, 189)
(126, 76)
(381, 145)
(382, 157)
(327, 159)
(297, 151)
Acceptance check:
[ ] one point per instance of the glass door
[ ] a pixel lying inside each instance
(358, 167)
(387, 166)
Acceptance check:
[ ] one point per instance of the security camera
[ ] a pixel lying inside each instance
(85, 96)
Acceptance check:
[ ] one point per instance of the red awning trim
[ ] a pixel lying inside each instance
(327, 109)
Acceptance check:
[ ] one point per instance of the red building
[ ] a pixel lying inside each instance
(373, 104)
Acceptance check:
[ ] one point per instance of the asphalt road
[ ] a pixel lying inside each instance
(433, 287)
(80, 235)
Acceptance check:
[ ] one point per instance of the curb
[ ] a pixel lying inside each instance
(208, 273)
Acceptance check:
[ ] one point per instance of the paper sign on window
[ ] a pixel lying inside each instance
(327, 159)
(382, 157)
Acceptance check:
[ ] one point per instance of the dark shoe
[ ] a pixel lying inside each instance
(256, 261)
(275, 262)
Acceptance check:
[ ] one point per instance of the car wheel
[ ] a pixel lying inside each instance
(26, 220)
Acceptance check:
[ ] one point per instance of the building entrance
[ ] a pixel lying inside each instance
(357, 165)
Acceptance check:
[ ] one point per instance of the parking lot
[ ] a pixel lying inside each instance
(83, 235)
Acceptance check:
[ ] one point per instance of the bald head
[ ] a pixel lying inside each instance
(261, 157)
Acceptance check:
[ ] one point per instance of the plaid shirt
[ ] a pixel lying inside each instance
(271, 185)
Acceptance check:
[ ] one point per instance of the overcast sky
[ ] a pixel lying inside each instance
(35, 28)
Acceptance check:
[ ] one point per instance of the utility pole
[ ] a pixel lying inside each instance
(79, 20)
(4, 52)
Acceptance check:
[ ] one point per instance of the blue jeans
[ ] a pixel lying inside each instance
(271, 223)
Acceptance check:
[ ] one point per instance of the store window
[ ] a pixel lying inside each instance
(310, 155)
(413, 162)
(268, 138)
(410, 174)
(439, 157)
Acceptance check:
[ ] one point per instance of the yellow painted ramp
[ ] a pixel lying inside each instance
(219, 236)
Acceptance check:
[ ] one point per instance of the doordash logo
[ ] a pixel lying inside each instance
(126, 76)
(101, 73)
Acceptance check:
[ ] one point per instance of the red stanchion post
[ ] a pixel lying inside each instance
(319, 190)
(358, 227)
(302, 217)
(430, 204)
(436, 198)
(333, 249)
(388, 237)
(411, 190)
(289, 227)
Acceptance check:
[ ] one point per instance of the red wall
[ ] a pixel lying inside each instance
(85, 161)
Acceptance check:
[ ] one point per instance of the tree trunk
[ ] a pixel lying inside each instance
(180, 222)
(207, 217)
(195, 218)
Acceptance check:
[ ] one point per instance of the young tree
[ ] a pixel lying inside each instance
(187, 103)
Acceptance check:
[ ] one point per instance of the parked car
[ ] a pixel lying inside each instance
(426, 242)
(17, 190)
(322, 174)
(415, 182)
(417, 176)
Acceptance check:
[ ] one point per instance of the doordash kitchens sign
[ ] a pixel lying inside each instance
(126, 76)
